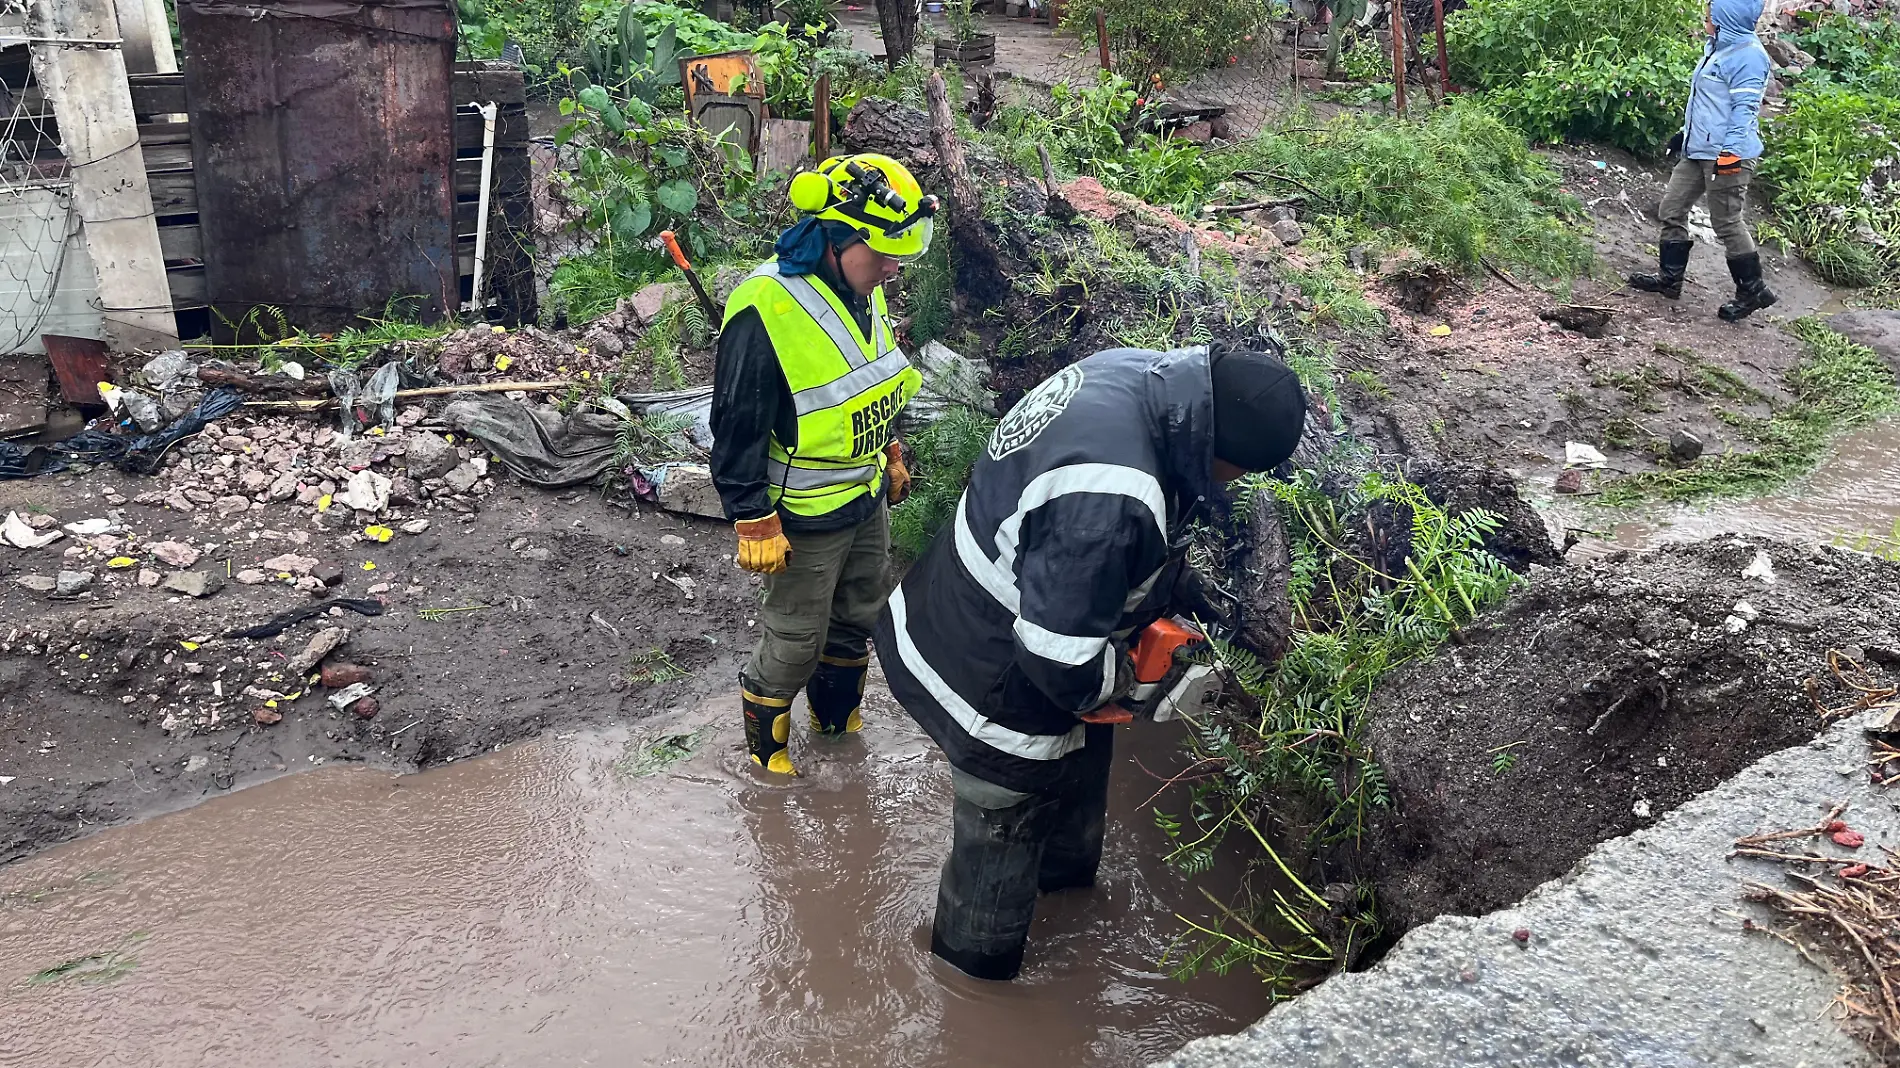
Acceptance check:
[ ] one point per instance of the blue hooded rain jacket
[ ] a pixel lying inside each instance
(1725, 91)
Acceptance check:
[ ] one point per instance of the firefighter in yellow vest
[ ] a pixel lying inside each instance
(806, 390)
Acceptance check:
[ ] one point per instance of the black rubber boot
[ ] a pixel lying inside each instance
(835, 691)
(1672, 261)
(768, 727)
(1751, 293)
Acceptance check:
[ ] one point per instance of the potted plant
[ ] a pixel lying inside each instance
(797, 14)
(967, 45)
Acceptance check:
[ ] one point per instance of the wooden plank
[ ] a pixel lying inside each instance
(174, 193)
(23, 380)
(188, 287)
(158, 94)
(162, 158)
(479, 82)
(181, 242)
(506, 181)
(164, 133)
(511, 129)
(79, 365)
(786, 145)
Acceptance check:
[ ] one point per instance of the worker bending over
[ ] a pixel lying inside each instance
(1011, 636)
(1721, 145)
(806, 388)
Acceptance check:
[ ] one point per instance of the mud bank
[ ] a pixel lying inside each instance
(1605, 695)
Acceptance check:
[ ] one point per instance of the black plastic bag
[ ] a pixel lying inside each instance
(141, 455)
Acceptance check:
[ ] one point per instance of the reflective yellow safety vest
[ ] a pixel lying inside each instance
(846, 389)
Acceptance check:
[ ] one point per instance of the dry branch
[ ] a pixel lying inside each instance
(979, 267)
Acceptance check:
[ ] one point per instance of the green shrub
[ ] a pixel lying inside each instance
(1612, 70)
(1460, 185)
(1170, 39)
(942, 455)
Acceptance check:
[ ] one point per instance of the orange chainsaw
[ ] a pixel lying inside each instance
(1168, 678)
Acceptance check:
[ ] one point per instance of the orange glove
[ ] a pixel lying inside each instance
(1728, 163)
(762, 544)
(895, 473)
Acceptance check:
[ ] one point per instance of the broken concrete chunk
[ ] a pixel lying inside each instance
(415, 526)
(322, 644)
(462, 478)
(367, 492)
(36, 583)
(194, 583)
(72, 583)
(251, 576)
(689, 488)
(291, 562)
(174, 553)
(429, 455)
(149, 578)
(1762, 568)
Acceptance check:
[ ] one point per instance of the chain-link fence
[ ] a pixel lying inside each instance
(46, 281)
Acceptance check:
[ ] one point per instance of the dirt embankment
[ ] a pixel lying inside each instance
(126, 700)
(1604, 695)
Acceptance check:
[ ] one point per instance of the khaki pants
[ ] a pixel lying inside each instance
(825, 601)
(1728, 199)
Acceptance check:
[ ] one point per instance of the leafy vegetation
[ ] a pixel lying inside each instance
(1155, 41)
(1299, 743)
(1838, 385)
(1610, 70)
(942, 455)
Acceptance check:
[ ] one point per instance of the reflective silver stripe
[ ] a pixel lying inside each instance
(974, 723)
(835, 392)
(998, 574)
(814, 478)
(1073, 650)
(821, 310)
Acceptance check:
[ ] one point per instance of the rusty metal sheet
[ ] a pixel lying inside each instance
(322, 140)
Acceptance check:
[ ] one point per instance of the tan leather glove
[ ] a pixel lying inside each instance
(762, 544)
(896, 475)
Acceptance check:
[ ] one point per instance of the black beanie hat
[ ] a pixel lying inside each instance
(1259, 409)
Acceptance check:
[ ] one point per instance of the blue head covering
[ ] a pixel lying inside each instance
(800, 248)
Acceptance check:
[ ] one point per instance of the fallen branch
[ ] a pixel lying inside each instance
(405, 394)
(979, 267)
(1252, 205)
(212, 374)
(1274, 176)
(1502, 277)
(1056, 206)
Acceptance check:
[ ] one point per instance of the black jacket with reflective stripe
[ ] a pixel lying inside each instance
(1067, 539)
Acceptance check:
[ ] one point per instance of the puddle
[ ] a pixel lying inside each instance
(1855, 491)
(587, 901)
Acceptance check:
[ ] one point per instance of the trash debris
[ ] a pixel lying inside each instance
(86, 528)
(1762, 568)
(349, 695)
(1441, 330)
(281, 622)
(19, 534)
(1578, 454)
(141, 455)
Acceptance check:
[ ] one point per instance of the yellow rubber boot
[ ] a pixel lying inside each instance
(768, 729)
(835, 692)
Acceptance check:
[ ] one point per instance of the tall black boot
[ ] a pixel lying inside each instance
(1672, 261)
(1751, 293)
(768, 727)
(835, 691)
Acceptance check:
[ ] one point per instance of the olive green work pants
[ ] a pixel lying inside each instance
(825, 602)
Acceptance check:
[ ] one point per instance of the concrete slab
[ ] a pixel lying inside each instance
(1637, 957)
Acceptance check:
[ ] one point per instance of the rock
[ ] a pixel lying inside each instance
(36, 583)
(322, 644)
(1585, 319)
(688, 488)
(311, 584)
(464, 477)
(328, 574)
(1571, 481)
(540, 553)
(1878, 330)
(292, 563)
(672, 539)
(411, 415)
(308, 494)
(429, 455)
(194, 583)
(1288, 231)
(366, 708)
(149, 578)
(367, 492)
(234, 443)
(518, 544)
(404, 490)
(337, 676)
(378, 589)
(1684, 447)
(231, 505)
(647, 304)
(251, 576)
(283, 489)
(72, 583)
(414, 526)
(178, 502)
(254, 481)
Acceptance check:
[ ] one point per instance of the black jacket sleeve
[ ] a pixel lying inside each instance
(751, 402)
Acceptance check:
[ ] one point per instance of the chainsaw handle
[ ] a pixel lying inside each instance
(673, 246)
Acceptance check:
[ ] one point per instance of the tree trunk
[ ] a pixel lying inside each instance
(898, 20)
(980, 275)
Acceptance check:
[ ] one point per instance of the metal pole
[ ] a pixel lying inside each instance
(1397, 21)
(1444, 65)
(1101, 36)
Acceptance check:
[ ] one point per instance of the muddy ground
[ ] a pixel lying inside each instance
(1604, 695)
(577, 591)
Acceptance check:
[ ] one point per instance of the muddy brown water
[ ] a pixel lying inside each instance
(565, 902)
(1854, 494)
